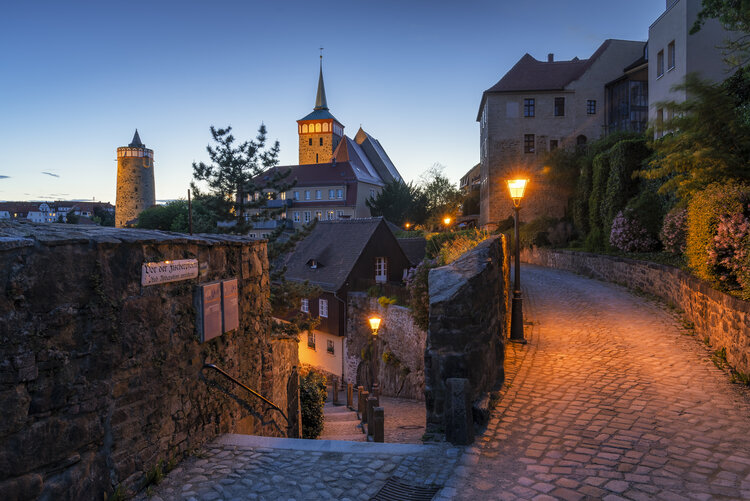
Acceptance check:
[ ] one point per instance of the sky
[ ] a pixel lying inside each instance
(77, 78)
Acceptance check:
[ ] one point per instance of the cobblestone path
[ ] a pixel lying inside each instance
(609, 400)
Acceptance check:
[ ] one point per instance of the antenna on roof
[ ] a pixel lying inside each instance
(321, 56)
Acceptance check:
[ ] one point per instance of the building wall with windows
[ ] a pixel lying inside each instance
(516, 133)
(673, 53)
(322, 351)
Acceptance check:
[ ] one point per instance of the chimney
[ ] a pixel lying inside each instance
(550, 57)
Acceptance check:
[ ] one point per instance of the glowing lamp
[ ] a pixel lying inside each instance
(447, 221)
(516, 188)
(374, 325)
(407, 225)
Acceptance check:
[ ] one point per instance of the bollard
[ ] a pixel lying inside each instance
(335, 391)
(372, 402)
(364, 396)
(349, 395)
(378, 424)
(376, 389)
(459, 422)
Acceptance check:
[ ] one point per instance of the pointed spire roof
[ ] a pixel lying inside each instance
(320, 99)
(136, 142)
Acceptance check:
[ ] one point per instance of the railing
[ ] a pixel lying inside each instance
(252, 392)
(389, 289)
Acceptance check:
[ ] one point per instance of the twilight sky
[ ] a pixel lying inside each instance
(76, 78)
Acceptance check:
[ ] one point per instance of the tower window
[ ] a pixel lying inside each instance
(309, 142)
(321, 141)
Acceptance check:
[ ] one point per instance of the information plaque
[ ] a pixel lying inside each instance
(168, 271)
(210, 298)
(230, 305)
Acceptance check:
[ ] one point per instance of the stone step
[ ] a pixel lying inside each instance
(349, 416)
(360, 437)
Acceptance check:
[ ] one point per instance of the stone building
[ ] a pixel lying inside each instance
(534, 108)
(673, 53)
(135, 181)
(335, 176)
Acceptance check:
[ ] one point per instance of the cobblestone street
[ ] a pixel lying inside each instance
(609, 400)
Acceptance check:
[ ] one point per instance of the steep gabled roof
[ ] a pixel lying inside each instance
(377, 155)
(530, 74)
(335, 246)
(350, 151)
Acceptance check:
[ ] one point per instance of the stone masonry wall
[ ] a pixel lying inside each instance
(468, 327)
(722, 319)
(100, 377)
(403, 374)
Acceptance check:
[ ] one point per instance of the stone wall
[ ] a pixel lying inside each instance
(101, 378)
(468, 328)
(722, 319)
(402, 375)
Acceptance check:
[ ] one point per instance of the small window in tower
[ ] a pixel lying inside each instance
(304, 129)
(325, 127)
(321, 141)
(316, 158)
(309, 142)
(317, 127)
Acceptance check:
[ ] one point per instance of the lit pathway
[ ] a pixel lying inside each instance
(610, 400)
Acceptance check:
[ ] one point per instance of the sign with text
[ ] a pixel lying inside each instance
(230, 305)
(210, 312)
(168, 271)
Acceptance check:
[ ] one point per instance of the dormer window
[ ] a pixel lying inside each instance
(313, 264)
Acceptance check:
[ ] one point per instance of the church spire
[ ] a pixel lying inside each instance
(136, 142)
(320, 99)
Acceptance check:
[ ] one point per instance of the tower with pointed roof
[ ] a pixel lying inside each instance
(135, 181)
(319, 132)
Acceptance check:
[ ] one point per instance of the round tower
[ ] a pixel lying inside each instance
(135, 181)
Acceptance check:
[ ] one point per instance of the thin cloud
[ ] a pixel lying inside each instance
(4, 177)
(51, 174)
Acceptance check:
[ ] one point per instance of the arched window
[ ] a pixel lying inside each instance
(317, 127)
(325, 127)
(304, 128)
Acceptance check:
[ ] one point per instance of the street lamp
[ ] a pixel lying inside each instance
(447, 221)
(374, 326)
(407, 225)
(516, 188)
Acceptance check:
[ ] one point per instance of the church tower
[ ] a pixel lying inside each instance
(319, 132)
(135, 181)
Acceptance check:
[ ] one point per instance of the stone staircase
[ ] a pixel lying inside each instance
(341, 423)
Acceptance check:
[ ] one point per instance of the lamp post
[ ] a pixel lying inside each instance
(374, 326)
(516, 188)
(447, 222)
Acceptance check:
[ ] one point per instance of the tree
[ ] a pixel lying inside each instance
(443, 197)
(103, 217)
(734, 15)
(708, 141)
(399, 203)
(73, 218)
(173, 216)
(234, 179)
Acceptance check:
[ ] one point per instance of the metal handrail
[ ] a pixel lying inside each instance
(253, 392)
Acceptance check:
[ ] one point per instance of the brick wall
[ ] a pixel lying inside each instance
(100, 377)
(722, 319)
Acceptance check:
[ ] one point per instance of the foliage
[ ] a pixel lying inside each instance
(738, 86)
(561, 169)
(625, 158)
(437, 241)
(704, 215)
(103, 217)
(711, 143)
(173, 216)
(73, 218)
(399, 203)
(629, 234)
(560, 234)
(580, 205)
(312, 396)
(505, 225)
(673, 234)
(386, 301)
(535, 233)
(443, 198)
(729, 252)
(463, 242)
(470, 203)
(734, 15)
(233, 177)
(417, 283)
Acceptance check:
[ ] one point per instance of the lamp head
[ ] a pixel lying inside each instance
(374, 324)
(516, 187)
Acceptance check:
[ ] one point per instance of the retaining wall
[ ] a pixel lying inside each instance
(722, 319)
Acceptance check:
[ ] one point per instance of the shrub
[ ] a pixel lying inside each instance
(600, 174)
(704, 214)
(535, 233)
(673, 234)
(312, 396)
(420, 294)
(560, 234)
(580, 204)
(386, 301)
(729, 253)
(629, 234)
(625, 158)
(462, 243)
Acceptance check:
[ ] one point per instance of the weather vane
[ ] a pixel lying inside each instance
(321, 53)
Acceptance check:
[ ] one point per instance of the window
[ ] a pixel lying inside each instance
(323, 308)
(318, 195)
(528, 107)
(339, 193)
(311, 339)
(295, 217)
(321, 142)
(559, 106)
(339, 214)
(309, 142)
(305, 306)
(372, 193)
(591, 107)
(282, 196)
(659, 63)
(552, 144)
(670, 55)
(307, 194)
(330, 215)
(308, 216)
(329, 347)
(528, 143)
(381, 269)
(331, 194)
(319, 215)
(296, 195)
(660, 122)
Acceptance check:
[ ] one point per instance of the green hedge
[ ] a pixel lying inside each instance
(600, 175)
(580, 204)
(625, 158)
(312, 396)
